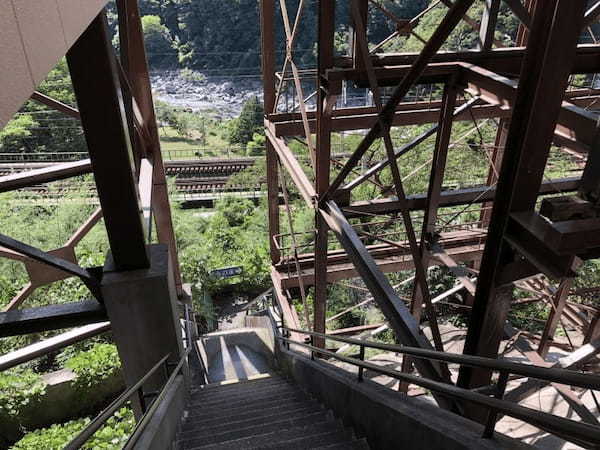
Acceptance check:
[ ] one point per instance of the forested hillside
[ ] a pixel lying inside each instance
(224, 34)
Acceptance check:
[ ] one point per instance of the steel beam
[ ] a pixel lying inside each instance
(48, 174)
(465, 196)
(398, 316)
(267, 39)
(436, 178)
(406, 148)
(55, 104)
(98, 93)
(325, 104)
(133, 57)
(385, 117)
(554, 36)
(488, 23)
(53, 317)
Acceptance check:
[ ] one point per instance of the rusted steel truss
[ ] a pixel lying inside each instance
(491, 82)
(115, 107)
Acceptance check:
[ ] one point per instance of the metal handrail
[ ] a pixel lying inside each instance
(190, 341)
(143, 423)
(550, 374)
(101, 418)
(582, 434)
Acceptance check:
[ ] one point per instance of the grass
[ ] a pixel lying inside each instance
(176, 146)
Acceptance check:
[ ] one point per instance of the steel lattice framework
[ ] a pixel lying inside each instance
(512, 244)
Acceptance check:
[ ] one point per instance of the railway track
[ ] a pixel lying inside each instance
(203, 176)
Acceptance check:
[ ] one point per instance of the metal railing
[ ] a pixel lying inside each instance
(191, 337)
(147, 410)
(99, 421)
(582, 434)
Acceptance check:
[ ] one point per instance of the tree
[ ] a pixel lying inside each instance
(250, 122)
(160, 48)
(13, 137)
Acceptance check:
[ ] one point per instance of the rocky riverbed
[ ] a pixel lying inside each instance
(221, 97)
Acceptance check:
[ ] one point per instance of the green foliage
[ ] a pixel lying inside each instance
(256, 147)
(235, 235)
(113, 435)
(14, 135)
(19, 390)
(40, 129)
(249, 123)
(191, 75)
(95, 365)
(160, 47)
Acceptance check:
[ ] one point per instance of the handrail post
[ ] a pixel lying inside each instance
(493, 414)
(142, 399)
(362, 358)
(312, 352)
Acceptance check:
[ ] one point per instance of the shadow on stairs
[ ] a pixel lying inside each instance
(263, 412)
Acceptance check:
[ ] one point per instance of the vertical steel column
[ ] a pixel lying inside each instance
(133, 55)
(554, 36)
(267, 22)
(438, 168)
(98, 92)
(559, 302)
(489, 19)
(495, 164)
(325, 104)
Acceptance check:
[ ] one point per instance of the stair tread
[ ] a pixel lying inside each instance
(288, 436)
(357, 444)
(195, 421)
(250, 388)
(245, 400)
(307, 420)
(259, 406)
(241, 384)
(200, 427)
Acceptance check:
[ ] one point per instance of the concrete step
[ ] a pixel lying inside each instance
(245, 396)
(283, 438)
(246, 400)
(310, 442)
(218, 425)
(240, 386)
(242, 406)
(257, 408)
(192, 438)
(357, 444)
(229, 386)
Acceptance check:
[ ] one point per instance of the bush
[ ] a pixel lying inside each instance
(95, 366)
(112, 436)
(19, 390)
(248, 123)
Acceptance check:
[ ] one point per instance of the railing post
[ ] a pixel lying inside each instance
(312, 352)
(142, 400)
(493, 414)
(362, 358)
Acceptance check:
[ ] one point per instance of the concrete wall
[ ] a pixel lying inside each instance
(34, 35)
(259, 340)
(161, 431)
(60, 403)
(388, 420)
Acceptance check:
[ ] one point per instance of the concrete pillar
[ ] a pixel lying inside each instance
(144, 315)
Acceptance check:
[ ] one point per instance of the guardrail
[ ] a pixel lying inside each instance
(582, 434)
(137, 388)
(191, 335)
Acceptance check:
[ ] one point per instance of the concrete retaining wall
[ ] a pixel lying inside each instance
(61, 402)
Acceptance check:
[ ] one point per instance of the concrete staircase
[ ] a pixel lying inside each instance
(265, 412)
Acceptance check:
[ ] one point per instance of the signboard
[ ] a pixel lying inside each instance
(226, 272)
